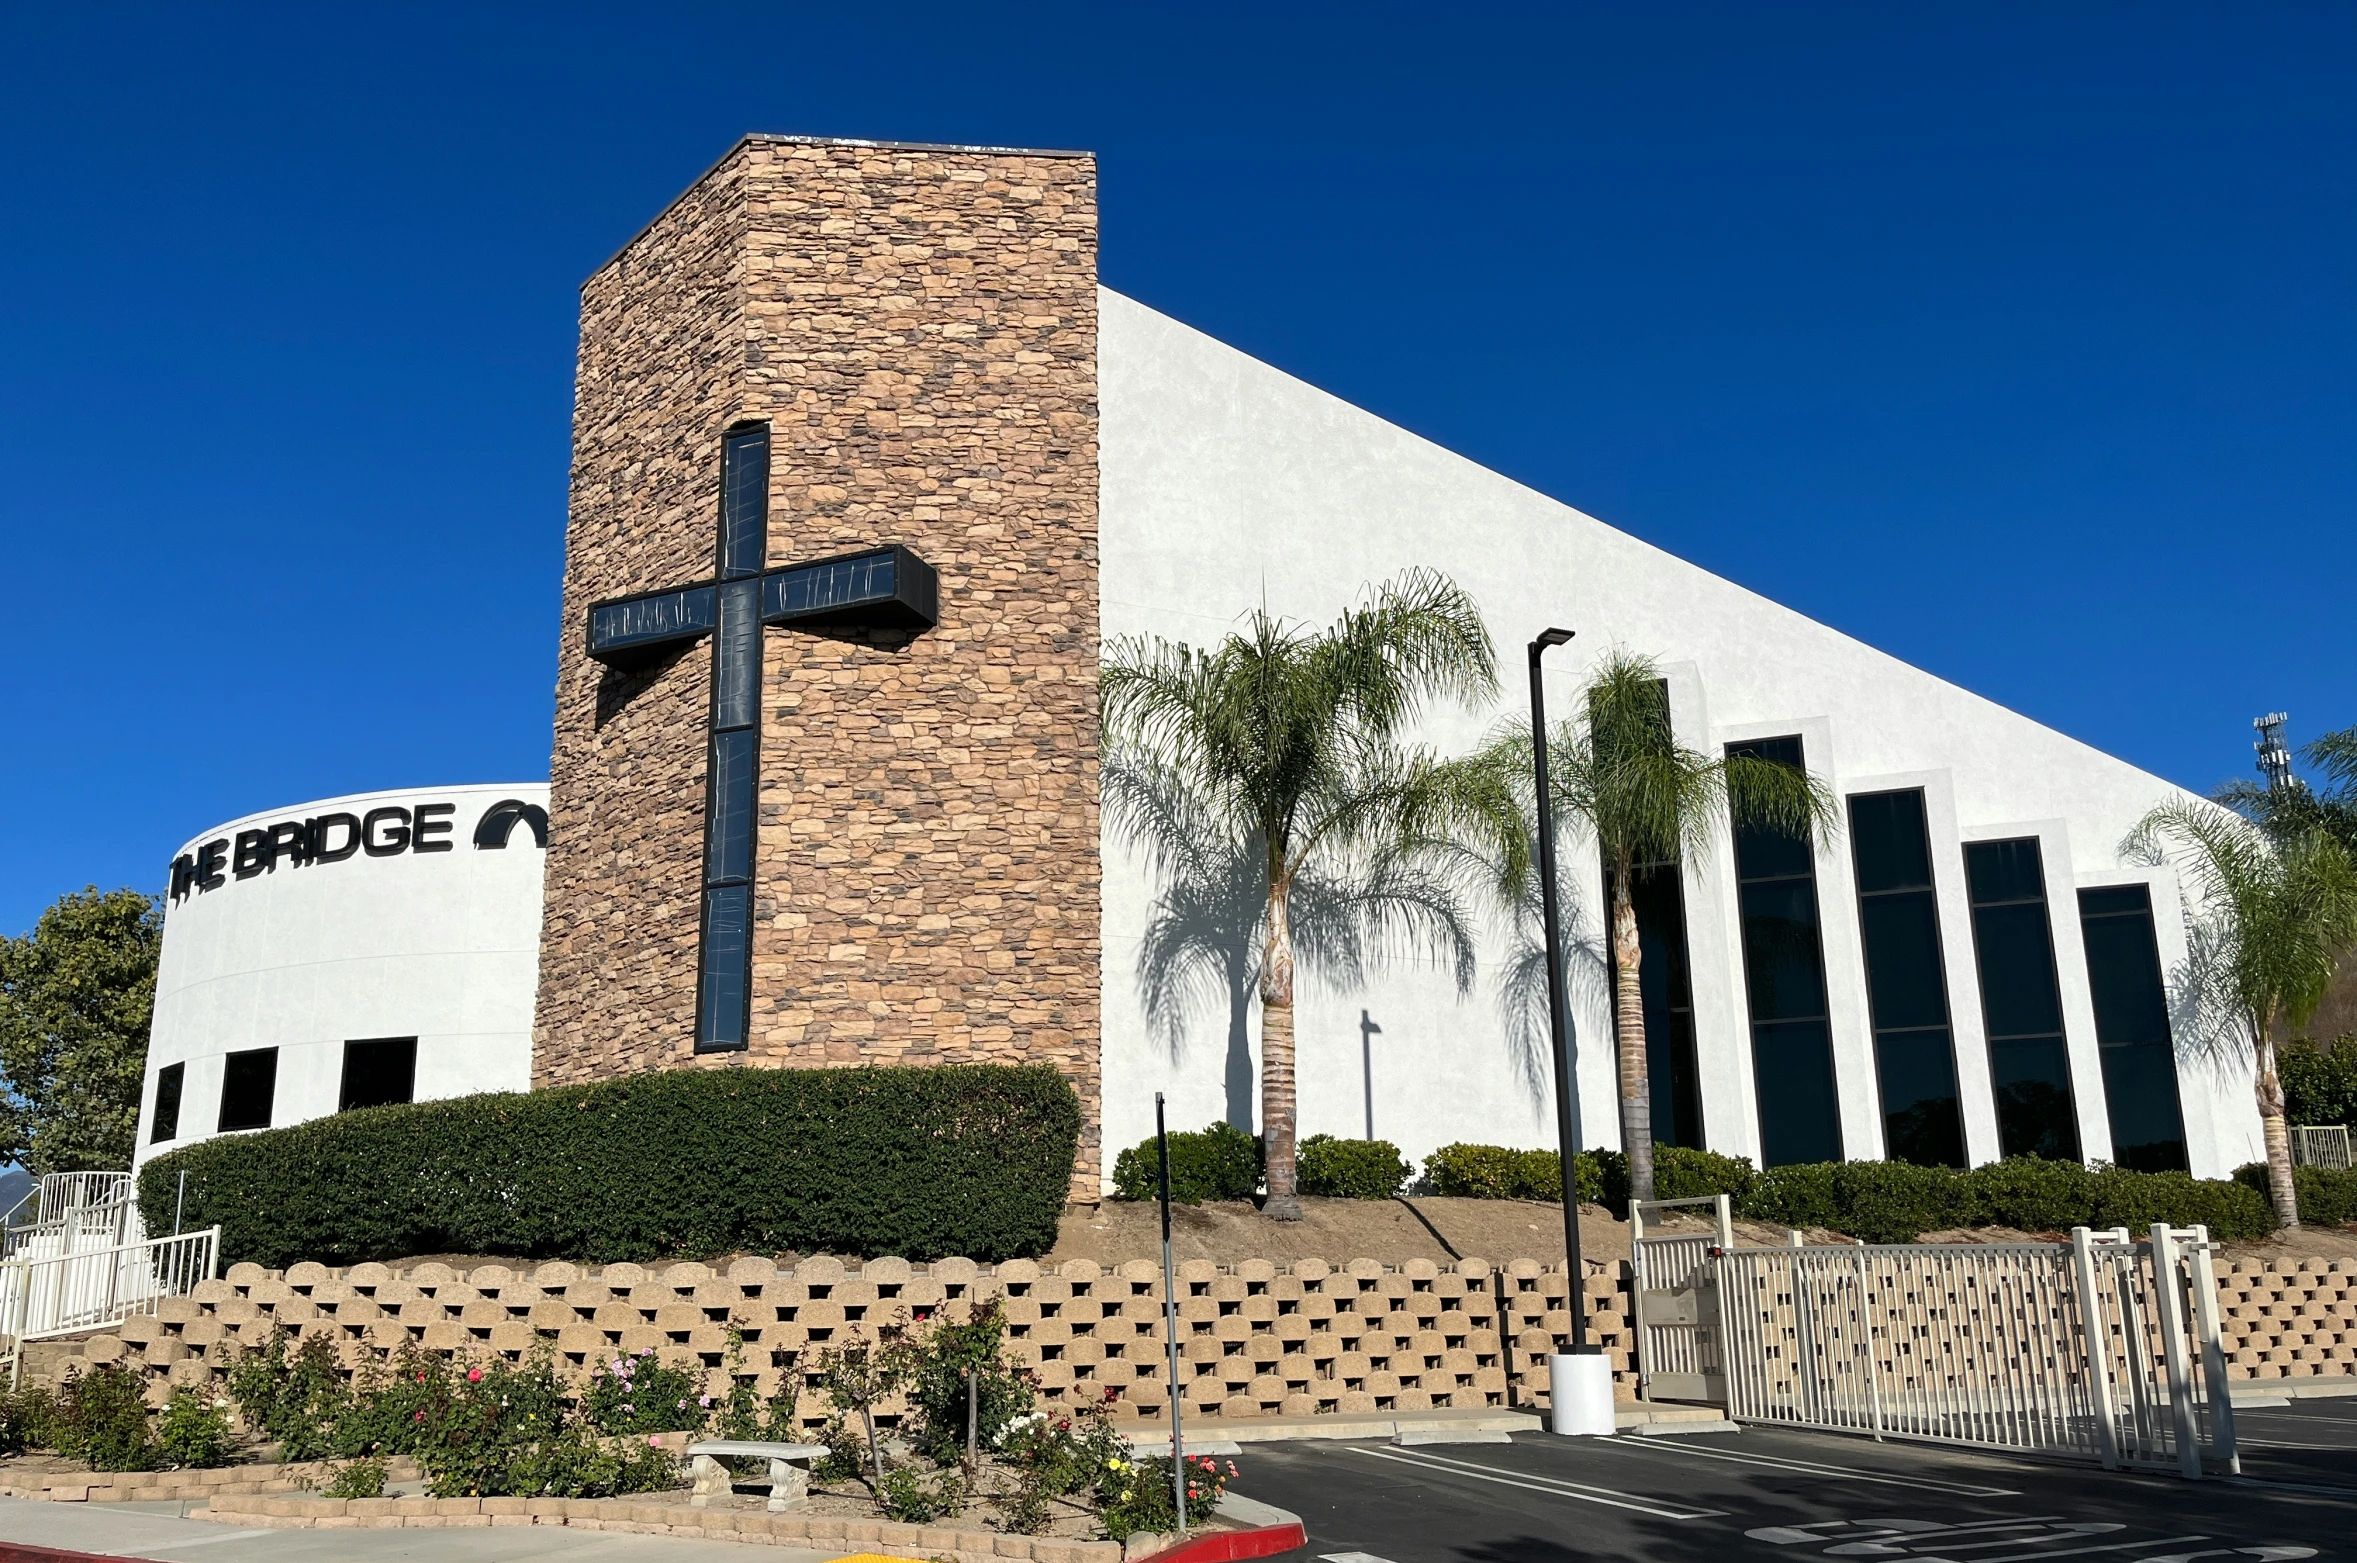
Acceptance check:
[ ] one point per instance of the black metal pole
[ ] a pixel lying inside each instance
(1178, 1449)
(1575, 1266)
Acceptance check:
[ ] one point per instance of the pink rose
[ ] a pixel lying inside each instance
(474, 1375)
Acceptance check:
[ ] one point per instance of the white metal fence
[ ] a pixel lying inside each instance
(2315, 1145)
(72, 1212)
(1677, 1322)
(2103, 1348)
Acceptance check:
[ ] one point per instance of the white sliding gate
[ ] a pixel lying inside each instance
(2103, 1348)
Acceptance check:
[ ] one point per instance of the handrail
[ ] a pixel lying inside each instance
(59, 1294)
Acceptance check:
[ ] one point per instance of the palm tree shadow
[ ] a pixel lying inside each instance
(1205, 929)
(1522, 987)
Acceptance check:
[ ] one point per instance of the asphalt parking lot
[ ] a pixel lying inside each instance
(1711, 1498)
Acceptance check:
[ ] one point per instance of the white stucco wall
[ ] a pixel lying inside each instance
(1227, 484)
(442, 946)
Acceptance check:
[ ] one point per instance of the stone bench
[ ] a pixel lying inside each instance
(789, 1469)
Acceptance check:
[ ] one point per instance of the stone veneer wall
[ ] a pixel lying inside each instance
(919, 327)
(1260, 1339)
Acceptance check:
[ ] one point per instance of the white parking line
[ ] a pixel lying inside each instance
(1804, 1467)
(2275, 1443)
(1350, 1557)
(1608, 1496)
(2067, 1552)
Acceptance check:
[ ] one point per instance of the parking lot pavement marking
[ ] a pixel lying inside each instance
(2277, 1443)
(1350, 1557)
(1848, 1473)
(1554, 1486)
(2068, 1552)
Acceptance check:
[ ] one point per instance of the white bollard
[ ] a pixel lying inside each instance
(1579, 1394)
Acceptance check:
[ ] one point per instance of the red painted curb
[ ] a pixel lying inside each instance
(25, 1552)
(1226, 1546)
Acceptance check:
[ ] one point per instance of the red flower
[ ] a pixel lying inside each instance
(474, 1375)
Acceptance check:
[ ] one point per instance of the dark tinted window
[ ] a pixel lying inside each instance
(2013, 946)
(1906, 987)
(167, 1104)
(728, 854)
(249, 1088)
(380, 1072)
(2132, 1029)
(1784, 981)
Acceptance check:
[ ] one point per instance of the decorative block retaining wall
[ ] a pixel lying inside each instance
(1259, 1339)
(2288, 1318)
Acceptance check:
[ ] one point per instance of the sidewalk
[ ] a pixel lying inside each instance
(155, 1530)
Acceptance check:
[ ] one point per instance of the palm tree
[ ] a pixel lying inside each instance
(1652, 801)
(2273, 918)
(1290, 742)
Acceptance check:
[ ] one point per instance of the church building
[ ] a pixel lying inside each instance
(868, 470)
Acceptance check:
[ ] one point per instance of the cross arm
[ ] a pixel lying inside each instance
(883, 588)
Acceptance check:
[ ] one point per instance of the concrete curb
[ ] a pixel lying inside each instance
(1274, 1530)
(26, 1552)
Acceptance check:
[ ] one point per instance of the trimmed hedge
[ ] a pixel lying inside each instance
(1221, 1162)
(1897, 1202)
(2327, 1195)
(969, 1159)
(1500, 1172)
(2319, 1080)
(1352, 1169)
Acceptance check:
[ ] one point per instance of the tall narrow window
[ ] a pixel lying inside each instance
(2132, 1029)
(732, 784)
(2013, 945)
(1784, 980)
(249, 1089)
(166, 1124)
(1672, 1075)
(1906, 985)
(378, 1072)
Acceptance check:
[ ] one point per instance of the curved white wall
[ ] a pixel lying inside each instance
(441, 944)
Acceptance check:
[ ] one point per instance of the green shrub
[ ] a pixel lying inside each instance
(936, 1390)
(295, 1398)
(2327, 1195)
(1799, 1195)
(639, 1394)
(2319, 1081)
(193, 1431)
(1678, 1173)
(910, 1498)
(1894, 1202)
(1222, 1162)
(363, 1478)
(28, 1420)
(2035, 1195)
(2135, 1200)
(101, 1419)
(1498, 1172)
(968, 1159)
(1351, 1169)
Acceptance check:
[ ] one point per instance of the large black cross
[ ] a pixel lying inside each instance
(883, 588)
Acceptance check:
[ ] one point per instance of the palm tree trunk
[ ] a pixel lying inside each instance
(2275, 1133)
(1276, 1061)
(1628, 1024)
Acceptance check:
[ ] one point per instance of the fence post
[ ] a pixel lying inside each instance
(213, 1252)
(1726, 1209)
(2215, 1395)
(2171, 1303)
(1866, 1345)
(2095, 1344)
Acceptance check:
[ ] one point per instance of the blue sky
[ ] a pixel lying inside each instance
(2014, 339)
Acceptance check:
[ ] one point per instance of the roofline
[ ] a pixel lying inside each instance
(773, 138)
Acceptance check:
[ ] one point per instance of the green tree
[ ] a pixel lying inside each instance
(2273, 916)
(1291, 743)
(1650, 800)
(76, 995)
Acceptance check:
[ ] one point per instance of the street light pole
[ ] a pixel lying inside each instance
(1580, 1380)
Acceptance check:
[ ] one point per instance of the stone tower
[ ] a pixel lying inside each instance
(894, 348)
